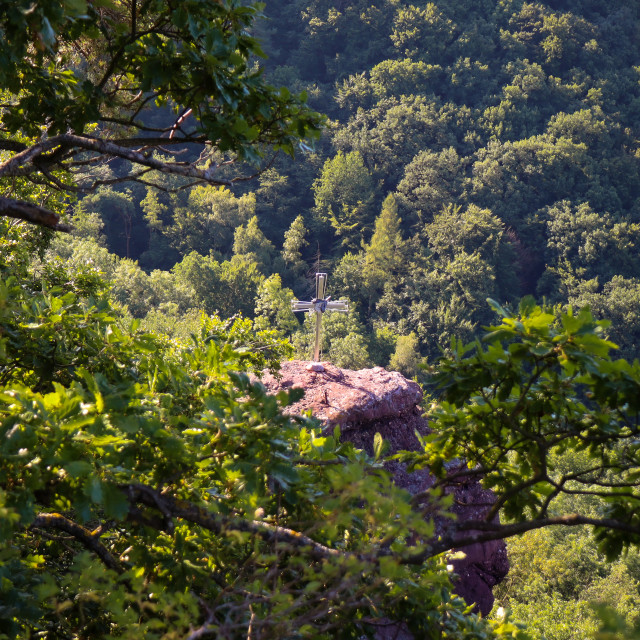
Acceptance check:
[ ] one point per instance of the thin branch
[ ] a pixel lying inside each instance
(501, 501)
(62, 186)
(109, 148)
(172, 508)
(559, 488)
(132, 37)
(82, 535)
(482, 531)
(134, 177)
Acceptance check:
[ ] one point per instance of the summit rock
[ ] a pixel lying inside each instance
(371, 401)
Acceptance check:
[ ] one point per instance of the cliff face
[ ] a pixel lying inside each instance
(375, 400)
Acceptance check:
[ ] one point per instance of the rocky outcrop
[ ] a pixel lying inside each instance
(376, 400)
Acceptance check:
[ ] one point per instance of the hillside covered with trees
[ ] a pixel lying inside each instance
(429, 156)
(473, 149)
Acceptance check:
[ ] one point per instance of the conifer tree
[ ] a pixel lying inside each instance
(294, 242)
(383, 255)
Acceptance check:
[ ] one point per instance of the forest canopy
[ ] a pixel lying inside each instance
(519, 117)
(472, 150)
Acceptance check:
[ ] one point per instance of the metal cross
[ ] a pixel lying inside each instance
(319, 305)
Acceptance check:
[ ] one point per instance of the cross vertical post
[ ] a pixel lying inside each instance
(319, 305)
(321, 289)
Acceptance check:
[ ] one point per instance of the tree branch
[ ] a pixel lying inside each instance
(480, 532)
(97, 145)
(39, 157)
(172, 508)
(462, 534)
(12, 145)
(82, 535)
(32, 213)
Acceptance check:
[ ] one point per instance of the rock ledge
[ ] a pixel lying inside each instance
(343, 397)
(372, 401)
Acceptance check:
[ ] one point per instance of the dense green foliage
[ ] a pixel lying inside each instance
(550, 424)
(505, 134)
(150, 489)
(474, 149)
(555, 579)
(85, 82)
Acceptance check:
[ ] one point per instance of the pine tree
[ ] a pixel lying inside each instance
(383, 255)
(294, 242)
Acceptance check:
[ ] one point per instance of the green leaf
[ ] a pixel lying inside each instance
(78, 468)
(114, 501)
(380, 446)
(93, 489)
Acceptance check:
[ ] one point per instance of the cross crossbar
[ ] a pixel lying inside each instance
(319, 305)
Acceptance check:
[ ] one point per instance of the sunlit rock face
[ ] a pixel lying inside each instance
(376, 400)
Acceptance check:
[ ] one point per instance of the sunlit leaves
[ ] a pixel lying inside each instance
(195, 57)
(277, 519)
(541, 383)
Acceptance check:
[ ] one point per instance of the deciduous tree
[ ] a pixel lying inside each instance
(79, 79)
(345, 194)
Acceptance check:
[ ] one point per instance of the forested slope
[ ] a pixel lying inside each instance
(495, 143)
(475, 149)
